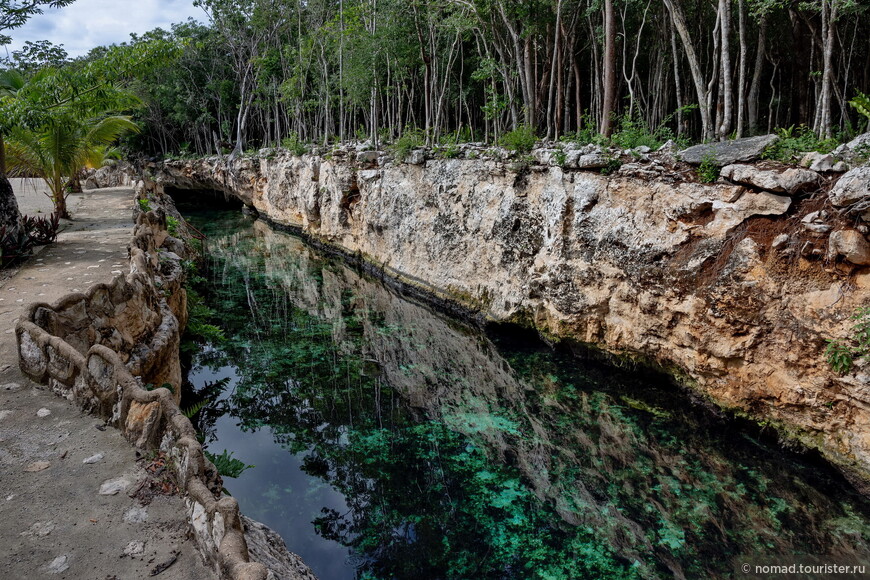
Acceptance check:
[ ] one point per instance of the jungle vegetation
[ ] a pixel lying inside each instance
(264, 72)
(290, 72)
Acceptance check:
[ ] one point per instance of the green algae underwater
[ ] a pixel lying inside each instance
(389, 440)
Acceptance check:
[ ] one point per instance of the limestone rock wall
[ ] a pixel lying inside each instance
(103, 348)
(730, 287)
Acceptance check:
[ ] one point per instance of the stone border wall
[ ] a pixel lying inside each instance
(100, 348)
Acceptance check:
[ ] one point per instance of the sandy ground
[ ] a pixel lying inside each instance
(56, 521)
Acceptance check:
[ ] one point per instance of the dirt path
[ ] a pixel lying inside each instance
(58, 466)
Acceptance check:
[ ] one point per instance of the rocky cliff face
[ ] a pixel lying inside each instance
(732, 288)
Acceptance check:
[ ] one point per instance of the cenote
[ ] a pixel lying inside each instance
(391, 441)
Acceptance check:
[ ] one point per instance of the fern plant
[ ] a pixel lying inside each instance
(227, 465)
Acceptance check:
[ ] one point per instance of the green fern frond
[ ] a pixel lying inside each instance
(195, 408)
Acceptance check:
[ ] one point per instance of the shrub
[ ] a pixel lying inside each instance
(795, 140)
(708, 170)
(520, 140)
(632, 132)
(14, 245)
(449, 151)
(172, 225)
(292, 143)
(841, 355)
(411, 139)
(42, 230)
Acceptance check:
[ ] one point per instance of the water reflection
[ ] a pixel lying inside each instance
(393, 442)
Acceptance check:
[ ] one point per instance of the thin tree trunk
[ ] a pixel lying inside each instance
(755, 86)
(694, 67)
(609, 105)
(578, 100)
(677, 84)
(829, 17)
(531, 105)
(741, 76)
(726, 72)
(553, 64)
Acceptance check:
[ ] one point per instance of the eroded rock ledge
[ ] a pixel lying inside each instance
(732, 288)
(103, 348)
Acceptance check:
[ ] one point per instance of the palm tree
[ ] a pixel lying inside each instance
(60, 150)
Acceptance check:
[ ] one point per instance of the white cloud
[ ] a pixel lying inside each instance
(88, 23)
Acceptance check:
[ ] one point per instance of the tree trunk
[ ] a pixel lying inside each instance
(554, 63)
(755, 87)
(726, 72)
(694, 67)
(677, 84)
(829, 16)
(531, 104)
(609, 103)
(741, 76)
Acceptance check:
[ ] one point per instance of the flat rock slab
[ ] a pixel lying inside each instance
(789, 181)
(728, 152)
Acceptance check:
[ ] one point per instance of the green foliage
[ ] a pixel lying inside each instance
(14, 13)
(40, 54)
(144, 205)
(200, 329)
(59, 150)
(411, 138)
(613, 165)
(520, 140)
(796, 140)
(172, 225)
(861, 103)
(632, 132)
(842, 355)
(448, 151)
(708, 170)
(191, 411)
(227, 465)
(294, 145)
(588, 134)
(41, 230)
(559, 156)
(14, 245)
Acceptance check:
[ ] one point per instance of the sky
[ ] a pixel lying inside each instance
(88, 23)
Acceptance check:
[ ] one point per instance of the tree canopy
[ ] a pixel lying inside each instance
(267, 72)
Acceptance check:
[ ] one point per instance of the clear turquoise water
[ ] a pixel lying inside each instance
(391, 441)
